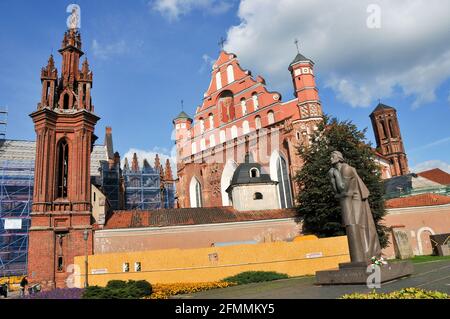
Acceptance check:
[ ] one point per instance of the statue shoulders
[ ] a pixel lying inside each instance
(347, 170)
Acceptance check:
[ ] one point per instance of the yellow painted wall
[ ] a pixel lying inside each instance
(199, 265)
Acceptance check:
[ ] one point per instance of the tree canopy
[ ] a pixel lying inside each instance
(318, 209)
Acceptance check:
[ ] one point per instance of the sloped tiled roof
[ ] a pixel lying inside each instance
(381, 107)
(190, 216)
(428, 199)
(436, 175)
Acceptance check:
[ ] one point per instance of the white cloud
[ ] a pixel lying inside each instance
(410, 51)
(430, 165)
(207, 63)
(150, 155)
(173, 9)
(106, 51)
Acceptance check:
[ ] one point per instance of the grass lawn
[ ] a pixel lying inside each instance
(423, 259)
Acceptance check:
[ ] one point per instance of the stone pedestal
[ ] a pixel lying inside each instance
(357, 273)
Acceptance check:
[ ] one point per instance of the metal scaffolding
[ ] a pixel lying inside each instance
(110, 183)
(142, 188)
(16, 194)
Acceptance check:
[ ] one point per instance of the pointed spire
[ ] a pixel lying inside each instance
(168, 172)
(85, 67)
(51, 63)
(134, 163)
(126, 165)
(157, 163)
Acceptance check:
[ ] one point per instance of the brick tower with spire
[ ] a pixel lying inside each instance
(61, 218)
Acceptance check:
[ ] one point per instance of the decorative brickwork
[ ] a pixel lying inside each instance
(64, 124)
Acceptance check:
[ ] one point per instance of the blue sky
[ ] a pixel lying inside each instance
(147, 56)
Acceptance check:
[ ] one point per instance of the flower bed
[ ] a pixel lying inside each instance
(65, 293)
(406, 293)
(164, 291)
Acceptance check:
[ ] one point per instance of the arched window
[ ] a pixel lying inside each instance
(211, 121)
(254, 172)
(202, 126)
(257, 196)
(222, 136)
(245, 127)
(255, 100)
(230, 73)
(270, 117)
(62, 173)
(66, 102)
(194, 147)
(218, 80)
(212, 141)
(284, 187)
(383, 128)
(202, 144)
(234, 132)
(391, 128)
(243, 106)
(258, 122)
(195, 193)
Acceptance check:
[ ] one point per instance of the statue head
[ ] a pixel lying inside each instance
(336, 157)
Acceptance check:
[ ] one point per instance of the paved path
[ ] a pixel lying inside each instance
(433, 275)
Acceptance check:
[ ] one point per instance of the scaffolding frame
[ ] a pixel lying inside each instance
(3, 122)
(142, 189)
(16, 194)
(110, 183)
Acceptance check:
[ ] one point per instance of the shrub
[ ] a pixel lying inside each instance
(118, 289)
(164, 291)
(406, 293)
(116, 284)
(255, 276)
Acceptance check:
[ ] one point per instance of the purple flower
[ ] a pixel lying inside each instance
(59, 293)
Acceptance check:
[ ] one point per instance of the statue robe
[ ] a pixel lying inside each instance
(356, 210)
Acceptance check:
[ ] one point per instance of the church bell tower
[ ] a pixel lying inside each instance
(61, 222)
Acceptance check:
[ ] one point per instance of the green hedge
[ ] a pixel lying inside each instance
(255, 276)
(119, 289)
(406, 293)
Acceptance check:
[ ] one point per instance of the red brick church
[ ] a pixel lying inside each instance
(239, 115)
(239, 150)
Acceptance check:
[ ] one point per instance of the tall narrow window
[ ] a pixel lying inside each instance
(270, 117)
(222, 136)
(284, 187)
(384, 131)
(255, 100)
(234, 132)
(243, 106)
(230, 74)
(62, 173)
(245, 127)
(66, 102)
(258, 122)
(202, 126)
(218, 80)
(47, 92)
(195, 193)
(211, 121)
(212, 141)
(391, 129)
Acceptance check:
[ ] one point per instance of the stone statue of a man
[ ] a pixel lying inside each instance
(357, 217)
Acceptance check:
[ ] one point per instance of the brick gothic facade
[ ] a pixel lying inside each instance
(64, 124)
(240, 115)
(389, 140)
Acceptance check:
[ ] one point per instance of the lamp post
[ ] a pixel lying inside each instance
(86, 237)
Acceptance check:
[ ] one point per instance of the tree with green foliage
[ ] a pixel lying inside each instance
(318, 209)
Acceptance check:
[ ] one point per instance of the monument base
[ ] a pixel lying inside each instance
(358, 273)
